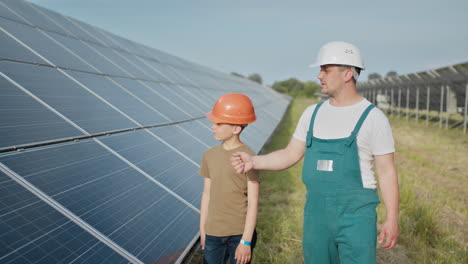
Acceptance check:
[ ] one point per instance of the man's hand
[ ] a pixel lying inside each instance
(242, 162)
(388, 237)
(243, 254)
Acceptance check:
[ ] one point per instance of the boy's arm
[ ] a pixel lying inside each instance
(205, 200)
(243, 252)
(388, 182)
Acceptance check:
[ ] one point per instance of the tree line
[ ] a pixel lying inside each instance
(291, 86)
(297, 88)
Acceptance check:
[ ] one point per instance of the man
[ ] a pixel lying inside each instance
(339, 139)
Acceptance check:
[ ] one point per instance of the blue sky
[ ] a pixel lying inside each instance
(279, 39)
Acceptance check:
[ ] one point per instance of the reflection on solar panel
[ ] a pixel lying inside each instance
(100, 141)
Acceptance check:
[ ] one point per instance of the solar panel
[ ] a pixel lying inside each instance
(34, 232)
(24, 120)
(101, 140)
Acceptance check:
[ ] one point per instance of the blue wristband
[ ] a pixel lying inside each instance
(245, 242)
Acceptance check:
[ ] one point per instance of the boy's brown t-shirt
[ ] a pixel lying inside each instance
(227, 208)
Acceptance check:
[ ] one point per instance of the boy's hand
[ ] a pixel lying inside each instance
(202, 241)
(242, 162)
(243, 254)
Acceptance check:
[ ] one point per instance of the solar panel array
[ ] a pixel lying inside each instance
(100, 142)
(422, 90)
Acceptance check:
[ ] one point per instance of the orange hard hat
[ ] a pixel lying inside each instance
(234, 108)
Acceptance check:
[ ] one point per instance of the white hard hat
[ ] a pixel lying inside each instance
(339, 53)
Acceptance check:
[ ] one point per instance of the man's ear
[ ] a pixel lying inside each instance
(348, 75)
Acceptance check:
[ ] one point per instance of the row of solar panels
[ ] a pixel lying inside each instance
(423, 88)
(100, 142)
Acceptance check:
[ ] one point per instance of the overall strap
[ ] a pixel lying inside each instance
(312, 120)
(361, 120)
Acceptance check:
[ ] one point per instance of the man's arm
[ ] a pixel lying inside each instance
(205, 200)
(277, 160)
(388, 182)
(244, 252)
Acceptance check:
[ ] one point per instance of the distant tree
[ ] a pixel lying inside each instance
(255, 77)
(237, 74)
(296, 88)
(311, 88)
(374, 76)
(391, 74)
(288, 86)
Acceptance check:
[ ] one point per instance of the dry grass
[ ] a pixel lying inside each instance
(432, 164)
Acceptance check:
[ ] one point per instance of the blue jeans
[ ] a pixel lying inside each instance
(219, 249)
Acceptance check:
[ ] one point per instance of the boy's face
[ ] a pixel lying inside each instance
(223, 132)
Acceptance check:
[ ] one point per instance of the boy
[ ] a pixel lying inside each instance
(229, 202)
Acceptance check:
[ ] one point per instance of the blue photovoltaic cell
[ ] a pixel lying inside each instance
(149, 70)
(67, 97)
(158, 55)
(130, 104)
(250, 137)
(96, 33)
(160, 162)
(65, 24)
(201, 130)
(153, 65)
(131, 47)
(152, 97)
(125, 66)
(182, 140)
(116, 42)
(88, 53)
(206, 82)
(193, 96)
(166, 73)
(8, 13)
(23, 120)
(178, 99)
(109, 195)
(30, 13)
(13, 50)
(31, 231)
(43, 45)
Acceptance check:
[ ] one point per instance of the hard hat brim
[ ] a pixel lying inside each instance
(318, 65)
(214, 119)
(234, 121)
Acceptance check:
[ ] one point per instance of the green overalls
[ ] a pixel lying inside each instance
(339, 215)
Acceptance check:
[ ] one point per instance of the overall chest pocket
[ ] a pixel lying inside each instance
(323, 163)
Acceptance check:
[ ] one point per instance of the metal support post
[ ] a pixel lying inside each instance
(417, 104)
(407, 103)
(441, 105)
(428, 101)
(399, 101)
(386, 101)
(465, 110)
(447, 106)
(391, 103)
(373, 96)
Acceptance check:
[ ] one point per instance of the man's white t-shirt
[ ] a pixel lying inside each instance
(331, 122)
